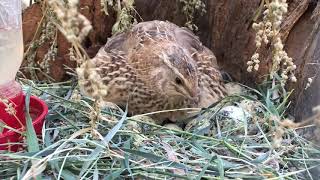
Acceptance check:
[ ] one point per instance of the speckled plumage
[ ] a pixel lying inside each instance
(155, 66)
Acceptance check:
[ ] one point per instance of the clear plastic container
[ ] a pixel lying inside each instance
(11, 40)
(11, 94)
(11, 53)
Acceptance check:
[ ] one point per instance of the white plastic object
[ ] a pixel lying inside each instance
(11, 40)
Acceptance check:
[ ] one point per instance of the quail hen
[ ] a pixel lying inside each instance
(154, 66)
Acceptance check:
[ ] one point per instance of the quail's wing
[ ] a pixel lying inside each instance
(108, 76)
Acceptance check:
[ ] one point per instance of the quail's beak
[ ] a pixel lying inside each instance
(190, 93)
(193, 94)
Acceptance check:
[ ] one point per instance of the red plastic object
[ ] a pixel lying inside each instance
(12, 92)
(10, 140)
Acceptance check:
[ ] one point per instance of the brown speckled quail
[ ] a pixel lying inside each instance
(154, 66)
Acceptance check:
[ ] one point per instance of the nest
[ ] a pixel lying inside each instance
(237, 138)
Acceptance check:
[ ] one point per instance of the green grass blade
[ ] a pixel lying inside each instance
(97, 152)
(32, 140)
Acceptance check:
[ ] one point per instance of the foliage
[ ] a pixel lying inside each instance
(268, 31)
(190, 7)
(125, 14)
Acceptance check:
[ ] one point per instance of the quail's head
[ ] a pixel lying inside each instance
(176, 75)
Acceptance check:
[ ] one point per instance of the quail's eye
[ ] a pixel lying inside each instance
(178, 81)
